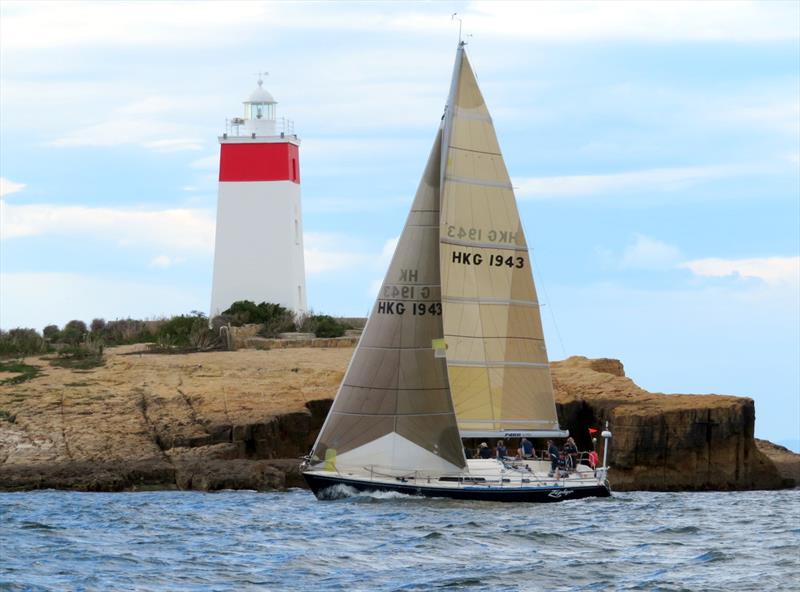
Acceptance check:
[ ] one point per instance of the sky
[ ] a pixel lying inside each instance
(654, 148)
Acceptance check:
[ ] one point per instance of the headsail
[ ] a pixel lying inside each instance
(393, 412)
(496, 357)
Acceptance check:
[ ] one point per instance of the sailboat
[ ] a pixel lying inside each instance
(453, 348)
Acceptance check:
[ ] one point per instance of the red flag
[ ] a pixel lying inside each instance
(592, 431)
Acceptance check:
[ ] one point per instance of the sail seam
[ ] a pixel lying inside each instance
(398, 348)
(392, 414)
(481, 182)
(476, 151)
(392, 388)
(469, 243)
(497, 364)
(494, 337)
(479, 300)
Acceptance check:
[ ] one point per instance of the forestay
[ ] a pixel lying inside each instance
(496, 356)
(393, 412)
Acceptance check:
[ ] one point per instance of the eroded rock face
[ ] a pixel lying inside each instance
(222, 420)
(241, 420)
(662, 442)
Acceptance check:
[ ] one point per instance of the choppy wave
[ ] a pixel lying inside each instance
(386, 541)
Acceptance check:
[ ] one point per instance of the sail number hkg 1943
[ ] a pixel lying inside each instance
(492, 260)
(394, 292)
(478, 234)
(419, 309)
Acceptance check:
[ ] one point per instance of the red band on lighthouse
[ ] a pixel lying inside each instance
(259, 161)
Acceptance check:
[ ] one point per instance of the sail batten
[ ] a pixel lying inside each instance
(497, 362)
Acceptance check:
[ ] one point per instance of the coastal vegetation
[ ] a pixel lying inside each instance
(80, 346)
(276, 320)
(22, 370)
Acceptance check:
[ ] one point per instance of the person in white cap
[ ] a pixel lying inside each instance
(484, 451)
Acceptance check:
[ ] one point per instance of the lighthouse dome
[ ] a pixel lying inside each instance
(260, 95)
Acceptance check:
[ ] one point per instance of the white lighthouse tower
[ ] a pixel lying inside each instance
(258, 253)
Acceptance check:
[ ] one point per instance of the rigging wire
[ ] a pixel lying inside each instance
(538, 268)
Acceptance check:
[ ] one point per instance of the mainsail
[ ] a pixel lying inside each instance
(496, 357)
(393, 412)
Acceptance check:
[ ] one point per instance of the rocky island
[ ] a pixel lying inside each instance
(241, 420)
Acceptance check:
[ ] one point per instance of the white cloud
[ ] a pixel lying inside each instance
(389, 247)
(26, 299)
(174, 144)
(387, 252)
(165, 261)
(649, 21)
(179, 229)
(767, 113)
(56, 24)
(7, 187)
(140, 129)
(771, 270)
(650, 181)
(206, 162)
(326, 252)
(650, 253)
(41, 25)
(324, 205)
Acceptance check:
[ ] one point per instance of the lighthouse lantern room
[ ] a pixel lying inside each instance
(258, 252)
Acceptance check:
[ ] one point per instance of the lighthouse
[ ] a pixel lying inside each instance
(258, 251)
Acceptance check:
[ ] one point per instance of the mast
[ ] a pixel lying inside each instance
(496, 356)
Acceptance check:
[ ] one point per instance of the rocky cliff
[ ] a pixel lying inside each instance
(240, 419)
(664, 442)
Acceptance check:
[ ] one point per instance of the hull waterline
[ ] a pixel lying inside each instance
(325, 487)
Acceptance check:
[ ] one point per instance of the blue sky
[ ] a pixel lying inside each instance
(655, 148)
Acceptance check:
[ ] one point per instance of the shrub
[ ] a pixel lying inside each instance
(283, 322)
(327, 326)
(124, 331)
(187, 331)
(321, 325)
(74, 332)
(274, 317)
(21, 342)
(97, 326)
(175, 331)
(51, 333)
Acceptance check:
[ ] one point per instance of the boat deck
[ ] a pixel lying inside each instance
(480, 473)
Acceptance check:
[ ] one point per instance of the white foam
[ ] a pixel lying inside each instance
(341, 491)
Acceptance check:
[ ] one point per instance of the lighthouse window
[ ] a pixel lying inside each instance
(259, 111)
(294, 169)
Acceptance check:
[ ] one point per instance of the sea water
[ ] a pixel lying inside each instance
(52, 540)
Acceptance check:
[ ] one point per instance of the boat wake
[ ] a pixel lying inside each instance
(341, 491)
